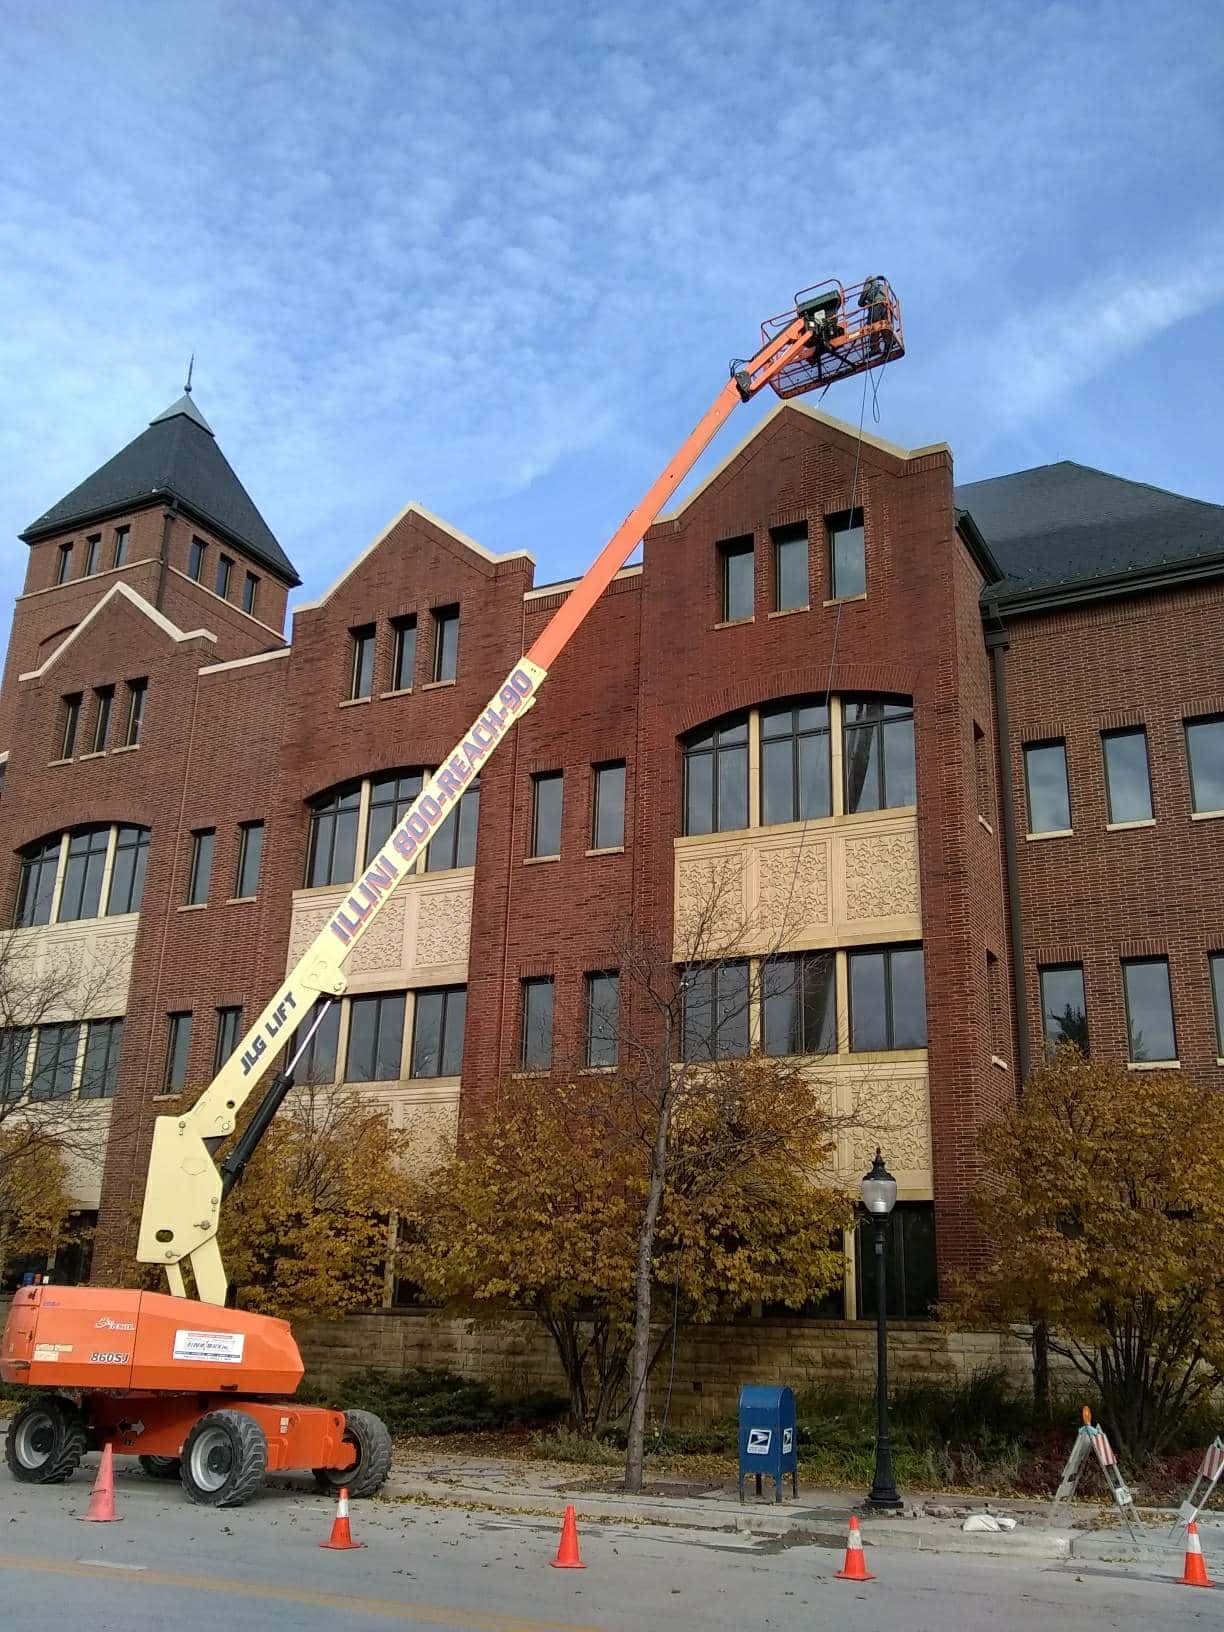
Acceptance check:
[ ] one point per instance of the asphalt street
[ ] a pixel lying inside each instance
(169, 1564)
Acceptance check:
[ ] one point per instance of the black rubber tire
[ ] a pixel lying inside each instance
(161, 1467)
(225, 1457)
(367, 1476)
(45, 1441)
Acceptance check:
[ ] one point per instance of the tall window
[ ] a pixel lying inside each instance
(322, 1053)
(910, 1284)
(200, 875)
(714, 1011)
(195, 559)
(1064, 1015)
(1217, 997)
(100, 1072)
(375, 1038)
(229, 1030)
(790, 551)
(122, 536)
(536, 1033)
(135, 719)
(878, 746)
(887, 999)
(250, 588)
(55, 1056)
(1205, 749)
(332, 855)
(81, 894)
(847, 554)
(437, 1031)
(361, 676)
(70, 724)
(128, 871)
(1128, 784)
(800, 1004)
(546, 796)
(608, 807)
(603, 1019)
(1149, 1009)
(14, 1061)
(1045, 778)
(178, 1051)
(404, 660)
(224, 568)
(250, 854)
(716, 778)
(391, 798)
(36, 891)
(93, 548)
(63, 565)
(104, 698)
(981, 774)
(454, 842)
(738, 560)
(446, 642)
(796, 781)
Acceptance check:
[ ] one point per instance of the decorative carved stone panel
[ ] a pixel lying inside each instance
(444, 926)
(881, 873)
(710, 904)
(792, 891)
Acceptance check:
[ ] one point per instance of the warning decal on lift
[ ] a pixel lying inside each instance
(759, 1440)
(224, 1346)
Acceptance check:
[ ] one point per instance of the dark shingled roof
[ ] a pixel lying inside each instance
(176, 457)
(1066, 524)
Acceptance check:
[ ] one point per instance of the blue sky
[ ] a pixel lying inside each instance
(495, 257)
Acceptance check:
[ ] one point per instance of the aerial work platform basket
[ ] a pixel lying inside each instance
(852, 329)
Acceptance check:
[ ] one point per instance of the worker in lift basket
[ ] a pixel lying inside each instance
(874, 297)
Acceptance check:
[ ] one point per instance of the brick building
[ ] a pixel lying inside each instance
(951, 758)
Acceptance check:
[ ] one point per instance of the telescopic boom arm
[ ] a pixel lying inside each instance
(824, 338)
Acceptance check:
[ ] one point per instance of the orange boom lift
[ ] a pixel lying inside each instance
(201, 1392)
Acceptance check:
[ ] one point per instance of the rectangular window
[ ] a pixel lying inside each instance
(1128, 783)
(981, 774)
(1064, 1015)
(887, 999)
(178, 1050)
(1205, 749)
(93, 547)
(879, 752)
(54, 1061)
(790, 551)
(375, 1038)
(250, 853)
(714, 1011)
(738, 561)
(608, 807)
(996, 1016)
(547, 791)
(322, 1053)
(454, 842)
(122, 536)
(716, 778)
(195, 559)
(847, 554)
(229, 1030)
(81, 896)
(250, 588)
(446, 642)
(104, 698)
(224, 568)
(603, 1019)
(1149, 1009)
(14, 1062)
(63, 565)
(1045, 779)
(100, 1074)
(128, 871)
(796, 780)
(135, 719)
(390, 801)
(201, 866)
(332, 855)
(536, 1033)
(36, 890)
(911, 1284)
(70, 725)
(800, 1004)
(1217, 998)
(361, 674)
(404, 661)
(437, 1031)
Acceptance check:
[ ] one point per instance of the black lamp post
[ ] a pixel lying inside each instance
(879, 1192)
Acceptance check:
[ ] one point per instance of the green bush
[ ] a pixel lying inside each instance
(436, 1402)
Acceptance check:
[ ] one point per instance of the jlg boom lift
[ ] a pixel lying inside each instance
(202, 1392)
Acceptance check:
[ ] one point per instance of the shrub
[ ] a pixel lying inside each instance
(437, 1402)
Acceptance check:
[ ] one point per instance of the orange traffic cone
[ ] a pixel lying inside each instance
(567, 1553)
(855, 1566)
(102, 1496)
(1196, 1568)
(341, 1538)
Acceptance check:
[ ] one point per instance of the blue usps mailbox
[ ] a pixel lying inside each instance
(768, 1443)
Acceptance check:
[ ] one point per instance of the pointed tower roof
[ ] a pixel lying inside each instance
(176, 457)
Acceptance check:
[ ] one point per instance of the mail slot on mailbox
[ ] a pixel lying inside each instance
(767, 1438)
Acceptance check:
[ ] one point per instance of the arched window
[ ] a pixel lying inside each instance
(716, 777)
(878, 751)
(358, 818)
(87, 872)
(332, 856)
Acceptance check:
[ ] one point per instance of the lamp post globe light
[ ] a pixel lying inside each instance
(879, 1193)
